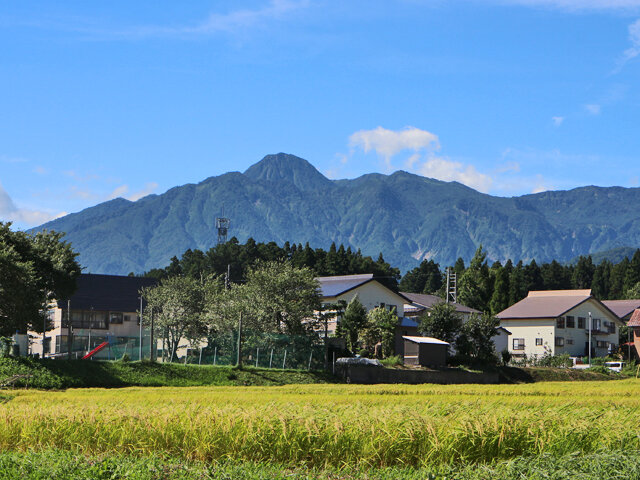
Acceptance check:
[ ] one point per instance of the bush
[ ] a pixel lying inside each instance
(506, 357)
(125, 358)
(392, 361)
(599, 369)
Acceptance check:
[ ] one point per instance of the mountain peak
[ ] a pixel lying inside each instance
(292, 169)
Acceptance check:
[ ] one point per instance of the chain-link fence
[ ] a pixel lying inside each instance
(258, 349)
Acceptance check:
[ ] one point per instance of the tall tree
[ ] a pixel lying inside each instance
(34, 271)
(426, 278)
(475, 339)
(583, 272)
(352, 322)
(473, 289)
(178, 305)
(441, 322)
(380, 329)
(500, 296)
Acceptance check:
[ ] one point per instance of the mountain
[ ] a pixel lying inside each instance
(405, 216)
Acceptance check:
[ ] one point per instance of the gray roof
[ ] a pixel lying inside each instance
(548, 304)
(427, 301)
(622, 308)
(336, 285)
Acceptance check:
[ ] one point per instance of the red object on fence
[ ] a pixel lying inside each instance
(95, 350)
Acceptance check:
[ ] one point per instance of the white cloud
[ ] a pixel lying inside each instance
(122, 191)
(634, 50)
(593, 108)
(148, 189)
(23, 216)
(230, 22)
(557, 121)
(388, 143)
(443, 169)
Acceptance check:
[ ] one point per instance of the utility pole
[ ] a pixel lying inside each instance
(239, 359)
(69, 329)
(590, 320)
(140, 346)
(152, 354)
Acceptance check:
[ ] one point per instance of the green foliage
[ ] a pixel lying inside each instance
(474, 287)
(352, 322)
(441, 322)
(276, 297)
(505, 356)
(178, 305)
(474, 344)
(34, 270)
(392, 361)
(426, 278)
(380, 330)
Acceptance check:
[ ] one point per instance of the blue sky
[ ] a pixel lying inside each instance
(107, 99)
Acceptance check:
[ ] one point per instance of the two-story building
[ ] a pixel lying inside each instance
(104, 309)
(555, 322)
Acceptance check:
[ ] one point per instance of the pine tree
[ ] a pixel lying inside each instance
(473, 288)
(583, 273)
(500, 297)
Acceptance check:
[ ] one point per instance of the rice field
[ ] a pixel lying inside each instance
(330, 426)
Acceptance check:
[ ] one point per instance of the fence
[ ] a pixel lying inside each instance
(258, 349)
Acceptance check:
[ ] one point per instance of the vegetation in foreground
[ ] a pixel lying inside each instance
(331, 426)
(61, 374)
(615, 465)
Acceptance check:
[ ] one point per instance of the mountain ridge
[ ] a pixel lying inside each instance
(405, 216)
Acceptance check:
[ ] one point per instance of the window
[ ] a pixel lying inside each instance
(597, 324)
(127, 318)
(538, 342)
(571, 322)
(611, 327)
(569, 341)
(559, 342)
(581, 322)
(602, 344)
(518, 343)
(115, 317)
(560, 322)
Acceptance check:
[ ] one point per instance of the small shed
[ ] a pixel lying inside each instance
(425, 351)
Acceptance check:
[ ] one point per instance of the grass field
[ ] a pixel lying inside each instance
(459, 428)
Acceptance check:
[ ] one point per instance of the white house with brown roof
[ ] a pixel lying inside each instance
(558, 321)
(371, 293)
(622, 308)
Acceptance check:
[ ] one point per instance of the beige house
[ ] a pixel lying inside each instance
(555, 322)
(104, 309)
(370, 292)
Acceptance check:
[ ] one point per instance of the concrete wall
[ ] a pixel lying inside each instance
(374, 375)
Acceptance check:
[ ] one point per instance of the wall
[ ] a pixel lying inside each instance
(373, 375)
(546, 328)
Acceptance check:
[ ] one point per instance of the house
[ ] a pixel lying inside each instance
(634, 324)
(622, 308)
(425, 351)
(104, 308)
(420, 304)
(371, 293)
(555, 322)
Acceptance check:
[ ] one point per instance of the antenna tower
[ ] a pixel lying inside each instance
(452, 285)
(222, 225)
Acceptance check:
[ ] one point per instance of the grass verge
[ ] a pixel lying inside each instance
(32, 465)
(61, 374)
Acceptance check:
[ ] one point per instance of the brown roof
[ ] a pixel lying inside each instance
(546, 304)
(427, 301)
(622, 308)
(634, 321)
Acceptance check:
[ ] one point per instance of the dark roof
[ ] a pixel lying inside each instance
(408, 322)
(108, 292)
(622, 308)
(428, 301)
(634, 321)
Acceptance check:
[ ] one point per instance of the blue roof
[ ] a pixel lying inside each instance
(408, 322)
(334, 286)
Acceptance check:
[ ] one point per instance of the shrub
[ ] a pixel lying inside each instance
(392, 361)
